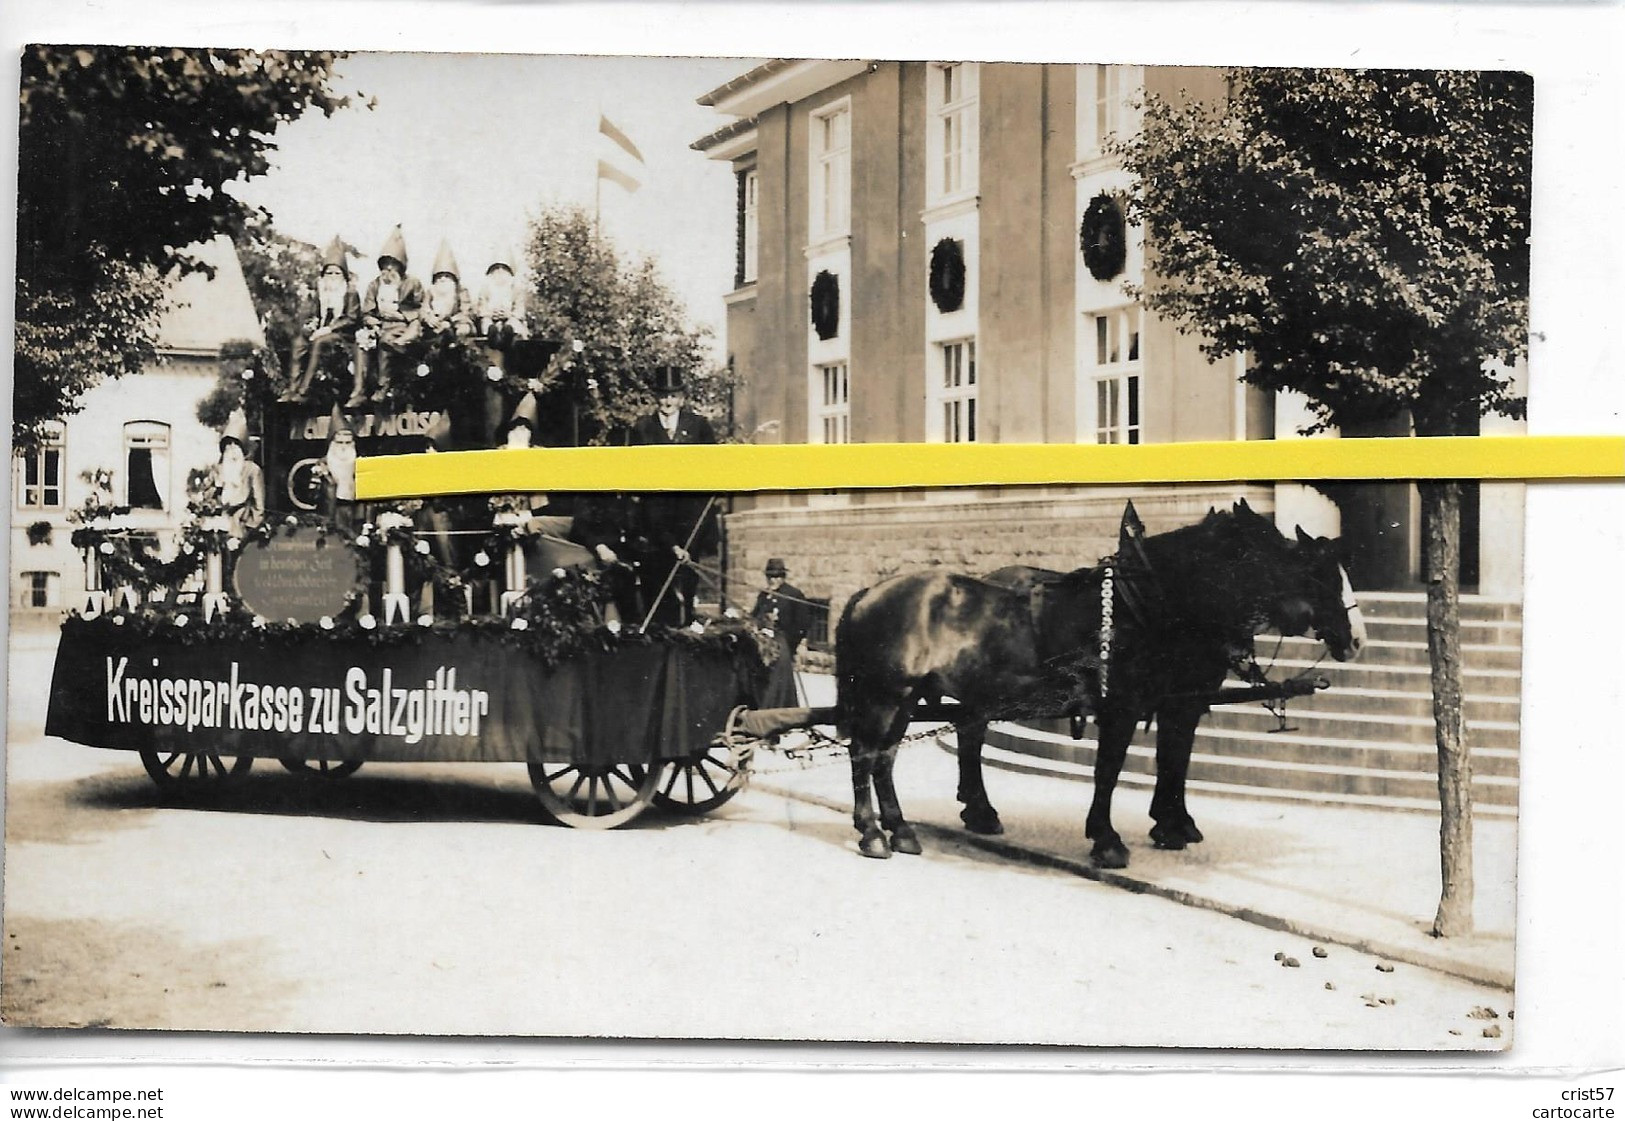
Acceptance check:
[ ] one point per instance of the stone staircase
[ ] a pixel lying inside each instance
(1368, 740)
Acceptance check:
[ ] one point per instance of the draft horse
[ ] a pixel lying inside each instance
(1150, 632)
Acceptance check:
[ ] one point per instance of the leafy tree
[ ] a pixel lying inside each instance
(124, 157)
(1363, 237)
(615, 322)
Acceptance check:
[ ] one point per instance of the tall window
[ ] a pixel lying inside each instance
(1115, 372)
(831, 201)
(41, 589)
(832, 404)
(953, 109)
(1104, 96)
(146, 461)
(956, 391)
(37, 475)
(749, 195)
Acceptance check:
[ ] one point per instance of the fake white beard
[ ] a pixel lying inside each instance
(233, 477)
(330, 289)
(499, 296)
(341, 466)
(389, 297)
(443, 297)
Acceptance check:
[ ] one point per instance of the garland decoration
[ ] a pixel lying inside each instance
(1103, 237)
(948, 275)
(825, 299)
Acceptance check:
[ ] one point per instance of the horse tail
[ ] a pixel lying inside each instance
(846, 671)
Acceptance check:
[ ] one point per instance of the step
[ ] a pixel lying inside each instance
(1222, 772)
(1388, 652)
(1505, 683)
(1384, 628)
(1413, 605)
(1375, 727)
(1405, 703)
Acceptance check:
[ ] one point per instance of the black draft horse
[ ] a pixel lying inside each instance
(1027, 643)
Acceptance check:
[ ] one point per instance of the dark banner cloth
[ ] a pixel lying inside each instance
(446, 698)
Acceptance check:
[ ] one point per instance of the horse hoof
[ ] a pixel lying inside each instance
(1192, 835)
(904, 841)
(1110, 856)
(983, 821)
(1168, 837)
(874, 845)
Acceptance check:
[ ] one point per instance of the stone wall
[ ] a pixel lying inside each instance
(834, 551)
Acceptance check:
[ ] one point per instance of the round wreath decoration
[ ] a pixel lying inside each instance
(1103, 237)
(825, 299)
(948, 274)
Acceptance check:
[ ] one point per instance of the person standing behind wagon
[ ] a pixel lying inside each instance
(670, 518)
(391, 314)
(784, 612)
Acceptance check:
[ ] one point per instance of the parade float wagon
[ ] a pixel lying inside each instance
(387, 637)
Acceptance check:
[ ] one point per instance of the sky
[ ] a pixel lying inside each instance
(465, 146)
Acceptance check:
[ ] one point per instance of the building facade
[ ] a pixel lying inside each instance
(132, 444)
(936, 251)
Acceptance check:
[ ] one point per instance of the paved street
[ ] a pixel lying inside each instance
(428, 899)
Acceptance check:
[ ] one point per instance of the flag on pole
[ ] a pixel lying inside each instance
(607, 170)
(622, 147)
(624, 142)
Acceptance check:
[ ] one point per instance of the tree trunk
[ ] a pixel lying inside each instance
(1441, 534)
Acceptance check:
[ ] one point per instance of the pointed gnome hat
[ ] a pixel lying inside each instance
(445, 262)
(503, 259)
(523, 413)
(394, 247)
(337, 422)
(236, 430)
(439, 433)
(334, 254)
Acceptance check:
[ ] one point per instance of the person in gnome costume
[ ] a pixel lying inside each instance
(338, 473)
(241, 482)
(499, 317)
(676, 526)
(391, 319)
(782, 611)
(447, 310)
(330, 320)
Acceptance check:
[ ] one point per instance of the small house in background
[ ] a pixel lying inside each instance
(133, 444)
(938, 251)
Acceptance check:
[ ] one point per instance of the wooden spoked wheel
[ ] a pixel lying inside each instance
(319, 768)
(194, 771)
(701, 783)
(594, 796)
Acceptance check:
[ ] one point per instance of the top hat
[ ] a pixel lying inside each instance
(335, 254)
(236, 430)
(444, 262)
(337, 422)
(667, 379)
(394, 248)
(775, 567)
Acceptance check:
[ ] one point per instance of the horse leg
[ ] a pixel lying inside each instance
(1176, 733)
(871, 767)
(903, 838)
(1115, 731)
(978, 815)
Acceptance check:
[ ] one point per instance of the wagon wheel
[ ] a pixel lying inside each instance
(194, 771)
(319, 768)
(594, 795)
(702, 782)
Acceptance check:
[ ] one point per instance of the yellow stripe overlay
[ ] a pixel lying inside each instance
(789, 467)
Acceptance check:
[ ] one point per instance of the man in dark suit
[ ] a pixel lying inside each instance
(784, 612)
(669, 520)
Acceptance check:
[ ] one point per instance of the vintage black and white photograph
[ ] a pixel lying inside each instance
(1219, 765)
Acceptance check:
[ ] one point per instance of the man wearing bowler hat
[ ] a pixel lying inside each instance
(670, 519)
(784, 612)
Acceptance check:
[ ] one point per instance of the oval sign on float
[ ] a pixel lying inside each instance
(291, 577)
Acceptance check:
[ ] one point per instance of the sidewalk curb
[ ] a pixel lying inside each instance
(1439, 963)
